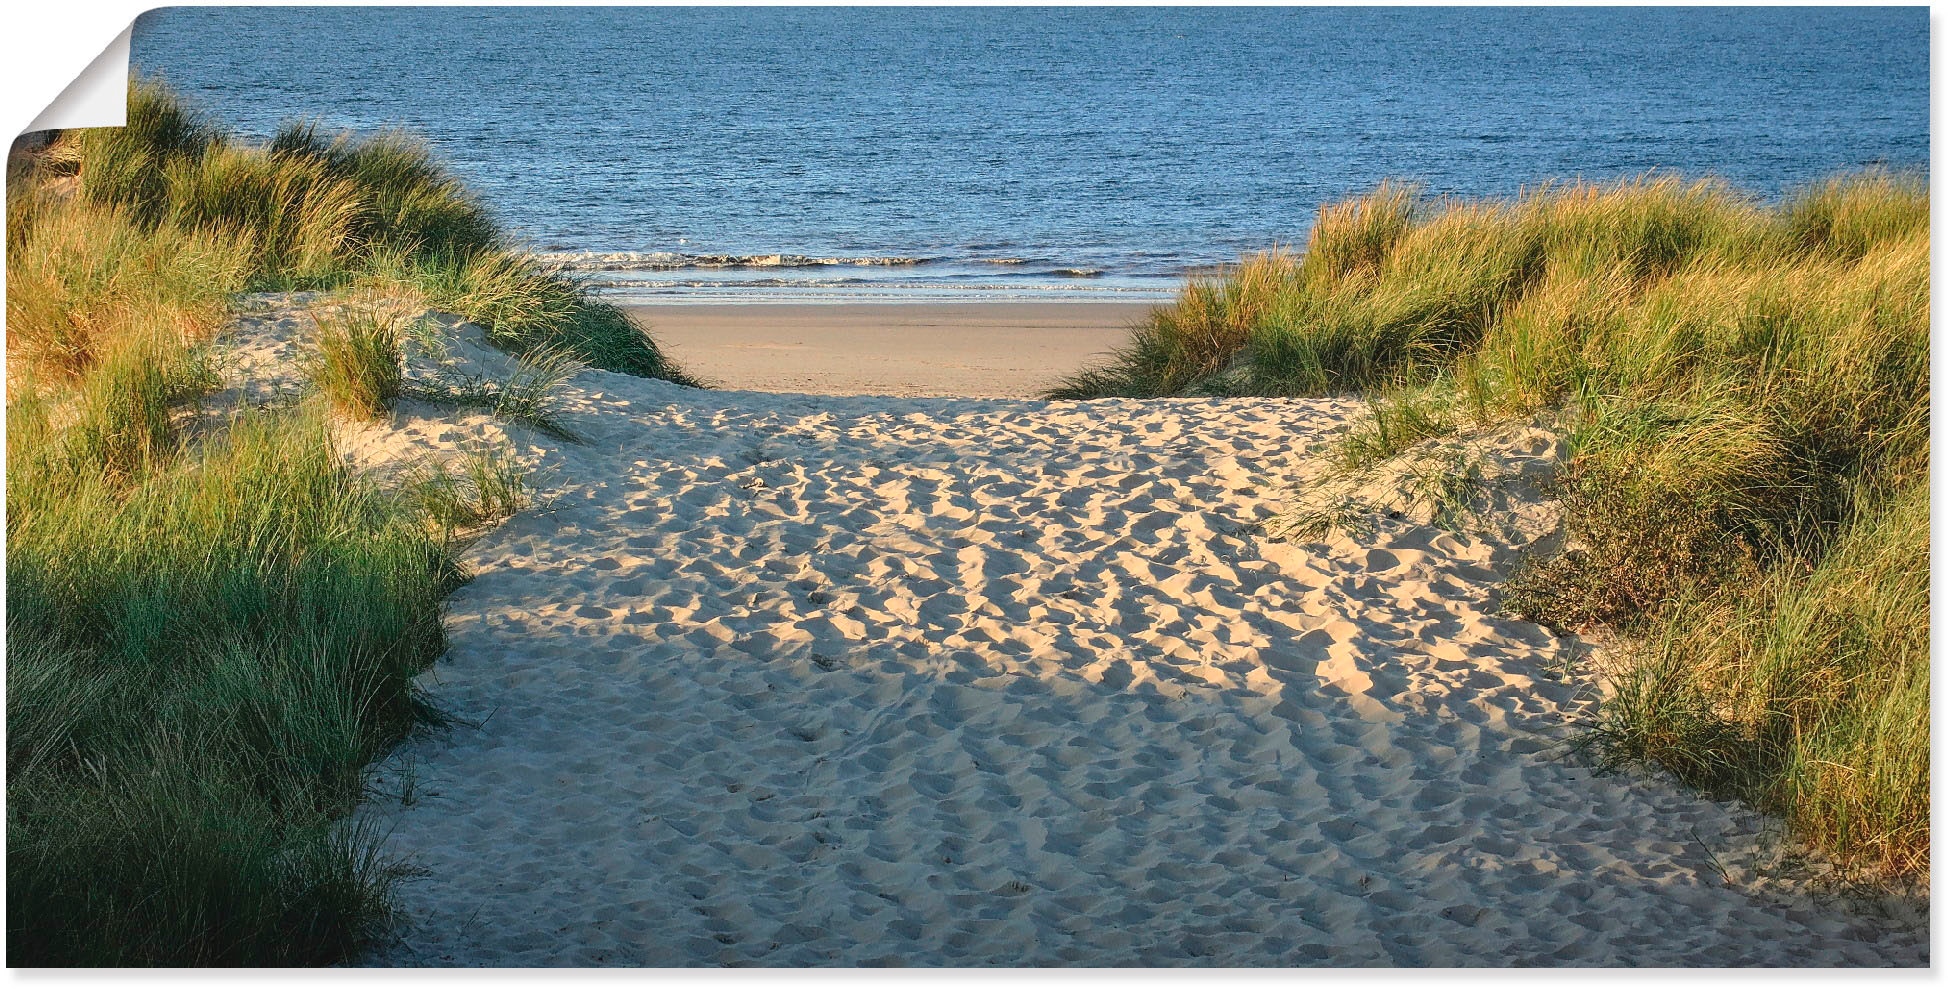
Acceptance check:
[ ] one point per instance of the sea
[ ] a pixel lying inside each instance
(829, 154)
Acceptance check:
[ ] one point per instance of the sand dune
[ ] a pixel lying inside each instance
(809, 680)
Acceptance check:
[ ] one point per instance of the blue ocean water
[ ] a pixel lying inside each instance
(853, 153)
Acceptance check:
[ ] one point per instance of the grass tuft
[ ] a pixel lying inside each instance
(1805, 693)
(524, 306)
(1396, 422)
(84, 279)
(486, 485)
(310, 210)
(529, 394)
(359, 366)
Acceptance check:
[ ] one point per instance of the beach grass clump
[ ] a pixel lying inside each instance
(524, 305)
(82, 279)
(1847, 216)
(294, 218)
(499, 483)
(406, 198)
(485, 484)
(1358, 235)
(1189, 346)
(1394, 286)
(1431, 297)
(126, 415)
(1745, 393)
(202, 656)
(129, 166)
(529, 395)
(359, 363)
(1728, 420)
(307, 206)
(1398, 420)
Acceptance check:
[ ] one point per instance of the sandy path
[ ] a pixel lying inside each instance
(980, 349)
(792, 680)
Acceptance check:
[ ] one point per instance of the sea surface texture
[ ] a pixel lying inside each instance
(750, 154)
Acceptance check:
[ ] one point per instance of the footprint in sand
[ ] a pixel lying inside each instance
(989, 682)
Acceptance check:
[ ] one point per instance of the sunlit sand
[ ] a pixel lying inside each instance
(791, 679)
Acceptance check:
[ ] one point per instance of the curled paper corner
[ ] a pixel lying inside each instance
(98, 97)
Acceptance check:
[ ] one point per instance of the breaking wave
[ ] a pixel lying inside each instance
(659, 261)
(662, 274)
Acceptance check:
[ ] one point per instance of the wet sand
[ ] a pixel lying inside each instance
(982, 350)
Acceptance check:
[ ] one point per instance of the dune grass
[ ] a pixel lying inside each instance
(484, 484)
(209, 633)
(359, 367)
(315, 211)
(1745, 389)
(1808, 692)
(406, 199)
(88, 277)
(523, 305)
(201, 660)
(212, 622)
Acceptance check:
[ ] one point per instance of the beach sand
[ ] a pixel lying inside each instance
(791, 679)
(982, 350)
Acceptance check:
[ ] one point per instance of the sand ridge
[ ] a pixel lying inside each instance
(779, 679)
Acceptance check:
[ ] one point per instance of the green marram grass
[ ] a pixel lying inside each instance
(523, 306)
(1805, 691)
(484, 484)
(1746, 395)
(212, 622)
(201, 659)
(359, 366)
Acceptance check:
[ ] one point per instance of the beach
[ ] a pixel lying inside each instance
(976, 349)
(773, 678)
(1434, 488)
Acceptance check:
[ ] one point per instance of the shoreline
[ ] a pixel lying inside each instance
(976, 349)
